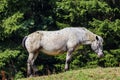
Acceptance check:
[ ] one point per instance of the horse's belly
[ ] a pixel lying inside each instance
(56, 52)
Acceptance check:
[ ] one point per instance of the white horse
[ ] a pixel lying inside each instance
(58, 42)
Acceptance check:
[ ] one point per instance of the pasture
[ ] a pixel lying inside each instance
(83, 74)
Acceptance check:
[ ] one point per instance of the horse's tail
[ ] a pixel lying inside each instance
(23, 41)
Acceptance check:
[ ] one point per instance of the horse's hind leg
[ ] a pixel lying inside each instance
(30, 63)
(33, 66)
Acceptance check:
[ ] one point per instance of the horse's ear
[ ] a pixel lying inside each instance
(97, 38)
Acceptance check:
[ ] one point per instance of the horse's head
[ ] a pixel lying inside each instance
(97, 46)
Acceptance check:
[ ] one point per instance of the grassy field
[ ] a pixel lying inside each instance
(83, 74)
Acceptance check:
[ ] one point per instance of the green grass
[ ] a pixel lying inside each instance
(83, 74)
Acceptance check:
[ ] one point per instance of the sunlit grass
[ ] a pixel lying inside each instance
(83, 74)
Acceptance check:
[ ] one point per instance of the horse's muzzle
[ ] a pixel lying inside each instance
(100, 55)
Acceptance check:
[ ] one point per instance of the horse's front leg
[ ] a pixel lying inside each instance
(68, 58)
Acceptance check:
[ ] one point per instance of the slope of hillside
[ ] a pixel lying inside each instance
(83, 74)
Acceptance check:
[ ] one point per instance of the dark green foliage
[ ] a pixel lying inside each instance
(110, 31)
(21, 17)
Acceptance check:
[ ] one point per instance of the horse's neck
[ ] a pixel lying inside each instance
(87, 38)
(87, 42)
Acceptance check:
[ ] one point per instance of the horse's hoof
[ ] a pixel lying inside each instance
(66, 70)
(30, 76)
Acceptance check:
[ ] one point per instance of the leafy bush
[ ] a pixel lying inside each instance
(18, 18)
(18, 75)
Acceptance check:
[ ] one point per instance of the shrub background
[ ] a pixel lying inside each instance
(22, 17)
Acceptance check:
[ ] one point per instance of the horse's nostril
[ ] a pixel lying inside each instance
(100, 55)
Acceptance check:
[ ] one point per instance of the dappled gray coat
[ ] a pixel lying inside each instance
(57, 42)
